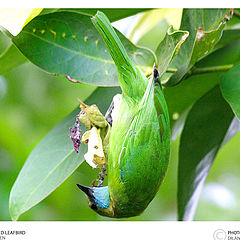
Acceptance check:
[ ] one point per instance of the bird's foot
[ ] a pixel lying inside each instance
(100, 178)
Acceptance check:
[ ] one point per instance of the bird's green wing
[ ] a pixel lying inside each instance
(161, 108)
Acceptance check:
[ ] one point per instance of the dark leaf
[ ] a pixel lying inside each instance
(230, 87)
(228, 36)
(209, 124)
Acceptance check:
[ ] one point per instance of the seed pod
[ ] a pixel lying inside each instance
(139, 142)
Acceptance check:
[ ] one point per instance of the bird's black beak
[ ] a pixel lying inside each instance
(87, 190)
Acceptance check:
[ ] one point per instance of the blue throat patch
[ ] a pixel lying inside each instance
(102, 197)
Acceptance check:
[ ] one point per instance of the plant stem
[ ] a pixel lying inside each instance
(203, 70)
(222, 68)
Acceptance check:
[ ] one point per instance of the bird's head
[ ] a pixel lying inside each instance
(98, 199)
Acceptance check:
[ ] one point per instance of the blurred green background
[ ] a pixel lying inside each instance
(32, 102)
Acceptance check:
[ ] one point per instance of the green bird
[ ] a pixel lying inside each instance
(139, 142)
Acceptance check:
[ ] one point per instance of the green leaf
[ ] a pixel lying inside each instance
(6, 32)
(5, 42)
(183, 95)
(52, 161)
(169, 48)
(224, 56)
(230, 87)
(205, 28)
(207, 127)
(228, 36)
(67, 43)
(154, 35)
(152, 26)
(113, 14)
(10, 59)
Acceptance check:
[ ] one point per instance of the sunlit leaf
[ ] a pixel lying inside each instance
(10, 59)
(13, 19)
(154, 36)
(169, 48)
(152, 26)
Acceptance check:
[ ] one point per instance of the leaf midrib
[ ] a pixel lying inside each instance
(70, 50)
(82, 54)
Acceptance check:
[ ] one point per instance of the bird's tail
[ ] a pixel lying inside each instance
(131, 79)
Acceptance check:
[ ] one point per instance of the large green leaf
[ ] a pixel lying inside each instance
(52, 161)
(207, 127)
(67, 43)
(113, 14)
(230, 86)
(10, 59)
(169, 48)
(205, 28)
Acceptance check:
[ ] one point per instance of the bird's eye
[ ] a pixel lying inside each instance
(93, 207)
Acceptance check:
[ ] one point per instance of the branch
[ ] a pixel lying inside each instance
(195, 70)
